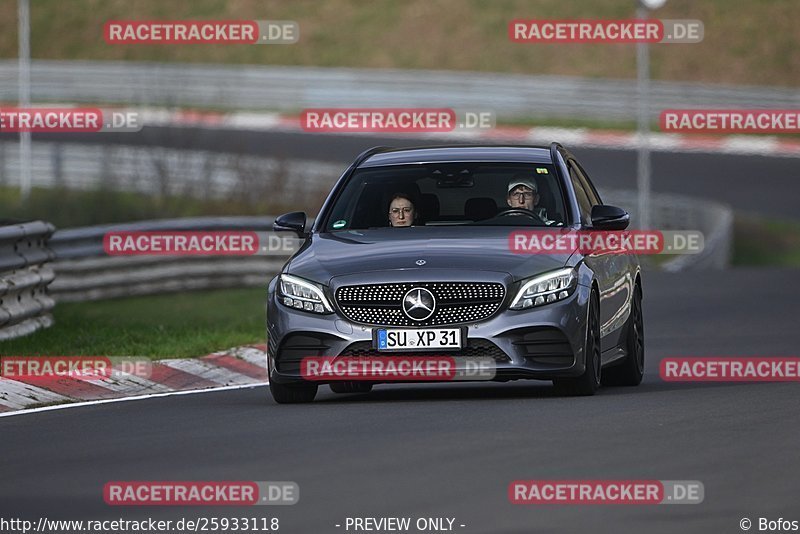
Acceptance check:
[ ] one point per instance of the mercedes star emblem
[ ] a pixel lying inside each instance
(419, 304)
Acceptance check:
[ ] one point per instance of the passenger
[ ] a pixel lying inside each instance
(401, 210)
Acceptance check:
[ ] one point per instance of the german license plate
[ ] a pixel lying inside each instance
(389, 339)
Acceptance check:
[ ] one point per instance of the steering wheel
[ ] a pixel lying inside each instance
(519, 211)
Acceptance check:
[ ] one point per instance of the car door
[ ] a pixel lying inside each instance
(611, 269)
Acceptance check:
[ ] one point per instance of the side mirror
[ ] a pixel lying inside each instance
(606, 217)
(291, 222)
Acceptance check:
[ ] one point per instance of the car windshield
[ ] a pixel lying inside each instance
(456, 194)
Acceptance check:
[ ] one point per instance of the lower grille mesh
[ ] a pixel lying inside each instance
(476, 348)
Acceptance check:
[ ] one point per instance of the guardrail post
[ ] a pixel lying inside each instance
(25, 305)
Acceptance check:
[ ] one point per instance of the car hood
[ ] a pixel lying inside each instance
(455, 248)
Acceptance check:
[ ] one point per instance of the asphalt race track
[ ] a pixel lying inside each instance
(452, 450)
(766, 186)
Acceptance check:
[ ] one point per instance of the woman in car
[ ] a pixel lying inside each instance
(401, 210)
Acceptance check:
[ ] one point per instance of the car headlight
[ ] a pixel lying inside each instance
(545, 288)
(303, 295)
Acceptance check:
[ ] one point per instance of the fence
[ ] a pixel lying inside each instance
(84, 272)
(25, 305)
(175, 172)
(293, 88)
(678, 212)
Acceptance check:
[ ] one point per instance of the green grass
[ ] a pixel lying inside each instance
(176, 325)
(569, 122)
(762, 242)
(746, 41)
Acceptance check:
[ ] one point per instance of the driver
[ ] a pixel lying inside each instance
(523, 193)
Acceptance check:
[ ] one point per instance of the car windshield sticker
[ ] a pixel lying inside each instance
(340, 223)
(541, 170)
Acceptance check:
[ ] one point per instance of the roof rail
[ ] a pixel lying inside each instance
(554, 150)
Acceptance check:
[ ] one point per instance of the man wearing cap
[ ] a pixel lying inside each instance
(524, 194)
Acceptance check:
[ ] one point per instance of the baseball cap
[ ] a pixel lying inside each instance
(521, 180)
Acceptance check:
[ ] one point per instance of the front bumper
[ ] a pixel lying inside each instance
(542, 343)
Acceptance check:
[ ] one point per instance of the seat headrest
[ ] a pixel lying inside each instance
(480, 208)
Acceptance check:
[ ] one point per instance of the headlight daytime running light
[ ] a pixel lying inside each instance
(545, 288)
(302, 295)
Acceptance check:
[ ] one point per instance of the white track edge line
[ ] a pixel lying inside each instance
(132, 398)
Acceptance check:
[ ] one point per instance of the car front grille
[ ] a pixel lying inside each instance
(456, 302)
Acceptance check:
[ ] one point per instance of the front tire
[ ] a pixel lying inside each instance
(292, 393)
(288, 393)
(631, 370)
(589, 381)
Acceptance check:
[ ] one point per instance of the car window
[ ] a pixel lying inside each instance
(588, 186)
(584, 202)
(470, 193)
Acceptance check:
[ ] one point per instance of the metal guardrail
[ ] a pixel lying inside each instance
(292, 88)
(87, 241)
(85, 272)
(679, 212)
(170, 171)
(25, 305)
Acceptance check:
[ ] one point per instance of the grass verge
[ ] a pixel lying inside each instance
(176, 325)
(745, 41)
(763, 242)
